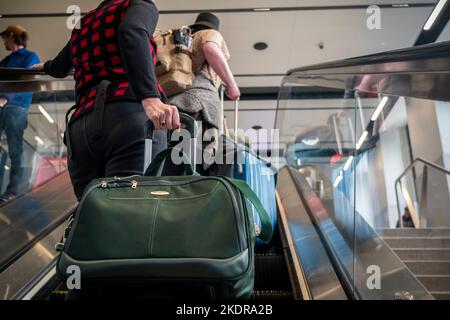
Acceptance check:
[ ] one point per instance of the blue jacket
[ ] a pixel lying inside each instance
(22, 58)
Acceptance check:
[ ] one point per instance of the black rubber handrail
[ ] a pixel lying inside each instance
(429, 51)
(23, 73)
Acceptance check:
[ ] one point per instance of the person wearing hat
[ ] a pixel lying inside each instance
(14, 107)
(210, 57)
(210, 53)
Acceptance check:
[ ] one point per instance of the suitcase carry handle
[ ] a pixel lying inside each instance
(189, 124)
(222, 90)
(185, 119)
(162, 156)
(236, 120)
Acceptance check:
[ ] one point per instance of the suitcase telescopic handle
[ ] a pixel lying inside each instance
(187, 123)
(236, 120)
(222, 90)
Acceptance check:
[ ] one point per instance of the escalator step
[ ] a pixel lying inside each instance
(272, 295)
(271, 272)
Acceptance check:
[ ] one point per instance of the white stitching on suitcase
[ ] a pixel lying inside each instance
(150, 244)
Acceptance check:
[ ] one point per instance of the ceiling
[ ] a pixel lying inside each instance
(293, 36)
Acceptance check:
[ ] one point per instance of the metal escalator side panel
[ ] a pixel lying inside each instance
(315, 273)
(33, 216)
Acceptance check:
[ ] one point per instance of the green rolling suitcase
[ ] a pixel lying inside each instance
(185, 232)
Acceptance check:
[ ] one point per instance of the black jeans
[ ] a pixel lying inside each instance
(117, 151)
(13, 120)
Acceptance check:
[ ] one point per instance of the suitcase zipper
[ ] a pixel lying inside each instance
(134, 183)
(124, 178)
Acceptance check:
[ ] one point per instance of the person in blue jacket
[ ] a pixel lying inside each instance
(14, 107)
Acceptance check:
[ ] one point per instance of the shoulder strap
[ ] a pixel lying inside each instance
(266, 225)
(157, 162)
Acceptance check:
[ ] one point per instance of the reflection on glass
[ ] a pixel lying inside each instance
(43, 150)
(351, 149)
(34, 207)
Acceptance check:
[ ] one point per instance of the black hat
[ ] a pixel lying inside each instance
(207, 19)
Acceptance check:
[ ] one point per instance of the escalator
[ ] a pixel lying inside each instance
(353, 253)
(355, 174)
(32, 223)
(337, 236)
(30, 226)
(28, 218)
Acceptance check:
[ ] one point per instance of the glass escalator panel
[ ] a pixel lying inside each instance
(33, 164)
(371, 152)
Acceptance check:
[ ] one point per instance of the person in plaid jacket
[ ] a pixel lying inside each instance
(113, 42)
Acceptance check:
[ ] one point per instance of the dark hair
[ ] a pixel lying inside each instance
(21, 40)
(407, 213)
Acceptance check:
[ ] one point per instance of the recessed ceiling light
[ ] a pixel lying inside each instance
(338, 180)
(45, 114)
(39, 140)
(260, 46)
(361, 140)
(380, 108)
(437, 10)
(348, 163)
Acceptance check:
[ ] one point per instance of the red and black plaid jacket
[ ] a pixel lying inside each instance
(95, 56)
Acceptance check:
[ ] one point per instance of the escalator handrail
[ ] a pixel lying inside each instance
(22, 74)
(411, 54)
(398, 181)
(15, 80)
